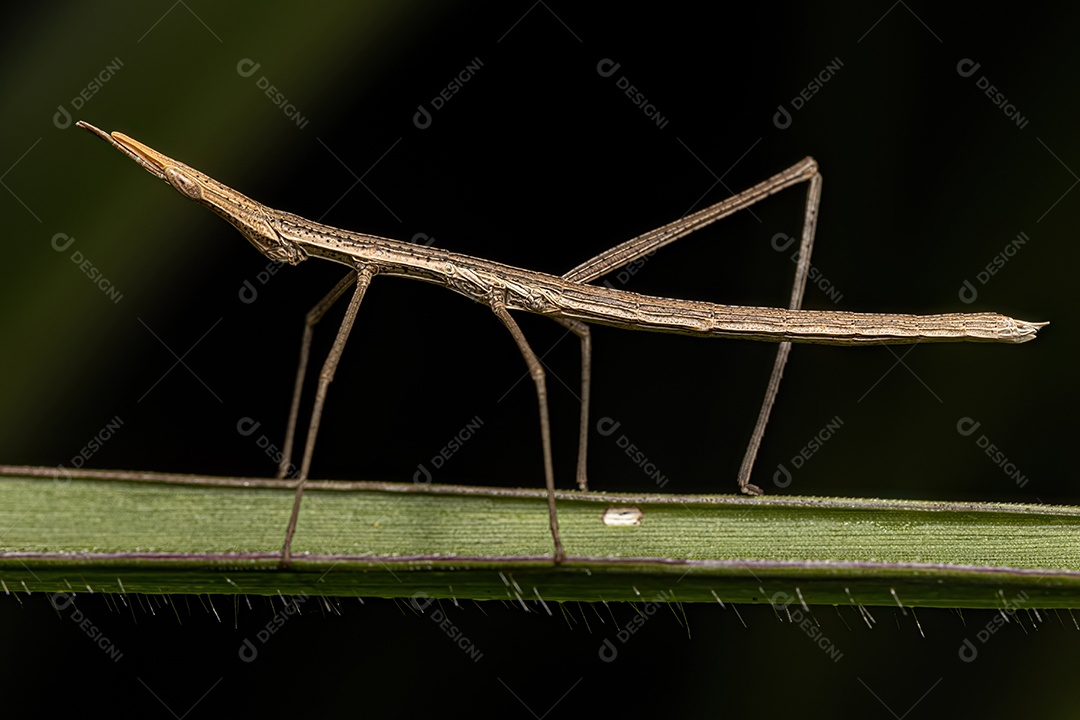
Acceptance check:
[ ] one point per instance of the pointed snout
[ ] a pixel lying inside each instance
(151, 160)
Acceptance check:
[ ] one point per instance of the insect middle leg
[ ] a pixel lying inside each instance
(310, 321)
(362, 277)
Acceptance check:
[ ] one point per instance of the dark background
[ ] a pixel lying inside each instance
(541, 162)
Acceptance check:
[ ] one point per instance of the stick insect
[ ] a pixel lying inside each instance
(568, 300)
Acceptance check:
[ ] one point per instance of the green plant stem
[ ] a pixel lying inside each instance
(156, 533)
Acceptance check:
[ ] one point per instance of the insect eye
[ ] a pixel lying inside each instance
(184, 184)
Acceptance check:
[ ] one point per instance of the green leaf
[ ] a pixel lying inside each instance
(156, 533)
